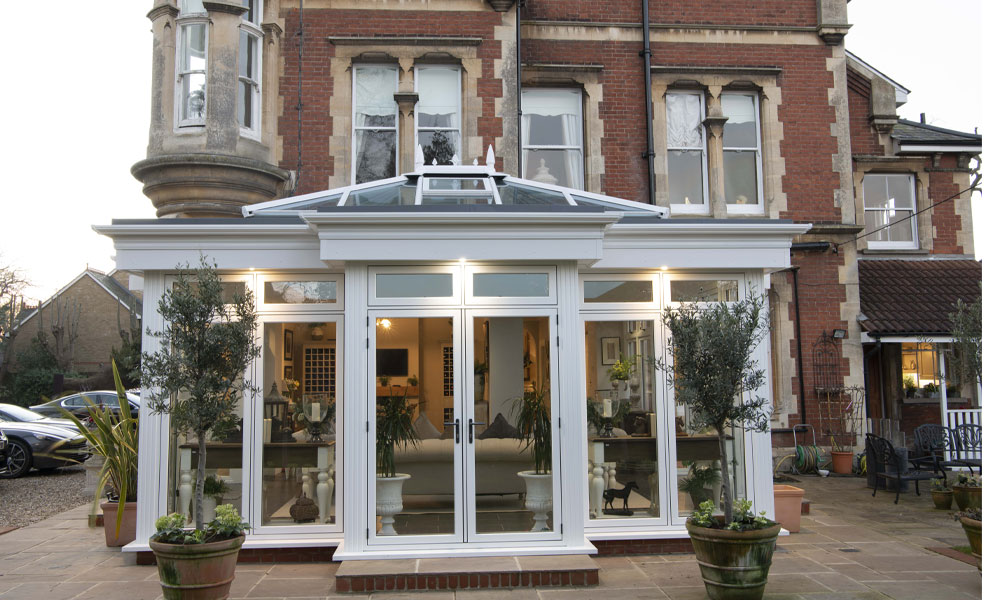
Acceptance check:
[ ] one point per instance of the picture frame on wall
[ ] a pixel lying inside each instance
(288, 371)
(288, 344)
(611, 349)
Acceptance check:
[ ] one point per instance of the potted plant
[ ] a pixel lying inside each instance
(941, 494)
(842, 416)
(930, 389)
(699, 482)
(972, 523)
(215, 488)
(393, 429)
(534, 428)
(115, 437)
(968, 491)
(196, 377)
(181, 554)
(910, 386)
(620, 373)
(712, 369)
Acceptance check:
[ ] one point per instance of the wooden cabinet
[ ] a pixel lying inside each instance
(319, 370)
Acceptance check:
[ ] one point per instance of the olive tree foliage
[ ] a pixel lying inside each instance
(196, 375)
(711, 368)
(967, 329)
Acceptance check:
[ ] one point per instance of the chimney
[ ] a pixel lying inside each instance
(923, 117)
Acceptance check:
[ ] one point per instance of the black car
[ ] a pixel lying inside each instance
(77, 404)
(42, 447)
(18, 414)
(3, 453)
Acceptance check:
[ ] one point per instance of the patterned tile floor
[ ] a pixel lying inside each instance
(851, 546)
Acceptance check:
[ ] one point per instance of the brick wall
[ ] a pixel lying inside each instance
(946, 222)
(864, 140)
(721, 12)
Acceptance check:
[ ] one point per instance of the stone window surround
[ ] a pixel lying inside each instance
(255, 30)
(921, 183)
(713, 82)
(406, 56)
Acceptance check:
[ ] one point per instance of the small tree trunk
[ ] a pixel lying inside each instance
(199, 487)
(727, 501)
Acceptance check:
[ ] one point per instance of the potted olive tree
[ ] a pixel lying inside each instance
(534, 429)
(393, 429)
(712, 370)
(196, 376)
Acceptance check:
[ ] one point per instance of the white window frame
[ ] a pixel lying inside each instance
(652, 278)
(354, 119)
(740, 279)
(183, 23)
(472, 300)
(526, 147)
(264, 307)
(890, 245)
(456, 286)
(457, 70)
(747, 209)
(253, 29)
(680, 208)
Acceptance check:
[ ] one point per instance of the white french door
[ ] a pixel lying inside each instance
(461, 377)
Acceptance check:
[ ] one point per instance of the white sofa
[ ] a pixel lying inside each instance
(430, 465)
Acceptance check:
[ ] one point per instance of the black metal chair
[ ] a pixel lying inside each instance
(969, 441)
(933, 443)
(893, 466)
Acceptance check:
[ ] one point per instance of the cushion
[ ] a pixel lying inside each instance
(424, 429)
(499, 429)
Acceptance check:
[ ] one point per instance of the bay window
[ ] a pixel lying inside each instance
(438, 112)
(192, 54)
(686, 168)
(889, 200)
(248, 91)
(741, 150)
(552, 134)
(375, 122)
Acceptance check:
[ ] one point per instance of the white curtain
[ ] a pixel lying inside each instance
(684, 121)
(438, 96)
(373, 91)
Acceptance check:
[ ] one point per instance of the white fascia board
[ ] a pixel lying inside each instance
(237, 246)
(915, 148)
(396, 237)
(723, 245)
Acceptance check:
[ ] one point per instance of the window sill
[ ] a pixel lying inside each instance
(900, 251)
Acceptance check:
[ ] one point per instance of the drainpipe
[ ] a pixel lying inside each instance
(645, 54)
(517, 41)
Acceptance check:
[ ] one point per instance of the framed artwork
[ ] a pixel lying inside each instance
(611, 349)
(288, 372)
(288, 344)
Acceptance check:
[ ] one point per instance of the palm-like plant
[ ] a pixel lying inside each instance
(534, 427)
(115, 436)
(393, 427)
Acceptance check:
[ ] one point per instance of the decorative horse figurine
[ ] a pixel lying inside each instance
(610, 495)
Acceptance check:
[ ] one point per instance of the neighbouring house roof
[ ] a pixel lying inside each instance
(911, 133)
(105, 282)
(914, 297)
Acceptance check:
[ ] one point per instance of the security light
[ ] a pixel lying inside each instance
(839, 334)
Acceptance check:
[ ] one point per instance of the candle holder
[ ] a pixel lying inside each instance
(316, 419)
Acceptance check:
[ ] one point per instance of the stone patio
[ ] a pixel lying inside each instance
(851, 546)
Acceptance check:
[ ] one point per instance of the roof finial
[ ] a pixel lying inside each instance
(491, 159)
(418, 158)
(434, 162)
(475, 162)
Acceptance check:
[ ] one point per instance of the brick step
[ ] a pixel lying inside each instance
(466, 573)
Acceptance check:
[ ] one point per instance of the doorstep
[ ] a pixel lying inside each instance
(466, 573)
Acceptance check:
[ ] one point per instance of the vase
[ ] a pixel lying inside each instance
(389, 500)
(842, 462)
(788, 506)
(942, 499)
(734, 564)
(968, 497)
(974, 533)
(538, 497)
(126, 533)
(196, 571)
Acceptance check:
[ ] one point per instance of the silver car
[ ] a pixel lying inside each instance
(18, 414)
(32, 445)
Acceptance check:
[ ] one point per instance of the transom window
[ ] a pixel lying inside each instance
(889, 200)
(741, 149)
(552, 134)
(438, 113)
(192, 53)
(375, 122)
(686, 168)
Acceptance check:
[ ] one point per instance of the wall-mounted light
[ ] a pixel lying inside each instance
(839, 334)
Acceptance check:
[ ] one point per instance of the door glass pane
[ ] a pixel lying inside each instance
(623, 470)
(527, 285)
(413, 285)
(298, 424)
(415, 445)
(512, 394)
(618, 291)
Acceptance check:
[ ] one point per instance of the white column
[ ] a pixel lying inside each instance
(757, 446)
(355, 442)
(944, 386)
(573, 430)
(154, 435)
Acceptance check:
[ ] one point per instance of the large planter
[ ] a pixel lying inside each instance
(843, 462)
(389, 500)
(942, 499)
(788, 506)
(196, 571)
(974, 531)
(126, 533)
(734, 564)
(968, 497)
(538, 497)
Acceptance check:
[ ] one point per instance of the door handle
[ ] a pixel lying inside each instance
(458, 430)
(472, 429)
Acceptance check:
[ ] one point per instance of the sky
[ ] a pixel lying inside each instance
(71, 142)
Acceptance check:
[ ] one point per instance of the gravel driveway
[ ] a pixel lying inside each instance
(39, 495)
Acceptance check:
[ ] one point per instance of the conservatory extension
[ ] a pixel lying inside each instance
(460, 296)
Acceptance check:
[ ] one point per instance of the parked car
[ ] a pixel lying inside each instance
(3, 453)
(77, 403)
(18, 414)
(32, 445)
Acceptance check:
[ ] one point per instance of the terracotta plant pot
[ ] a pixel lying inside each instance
(974, 531)
(734, 564)
(788, 506)
(126, 533)
(197, 571)
(968, 497)
(843, 462)
(942, 500)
